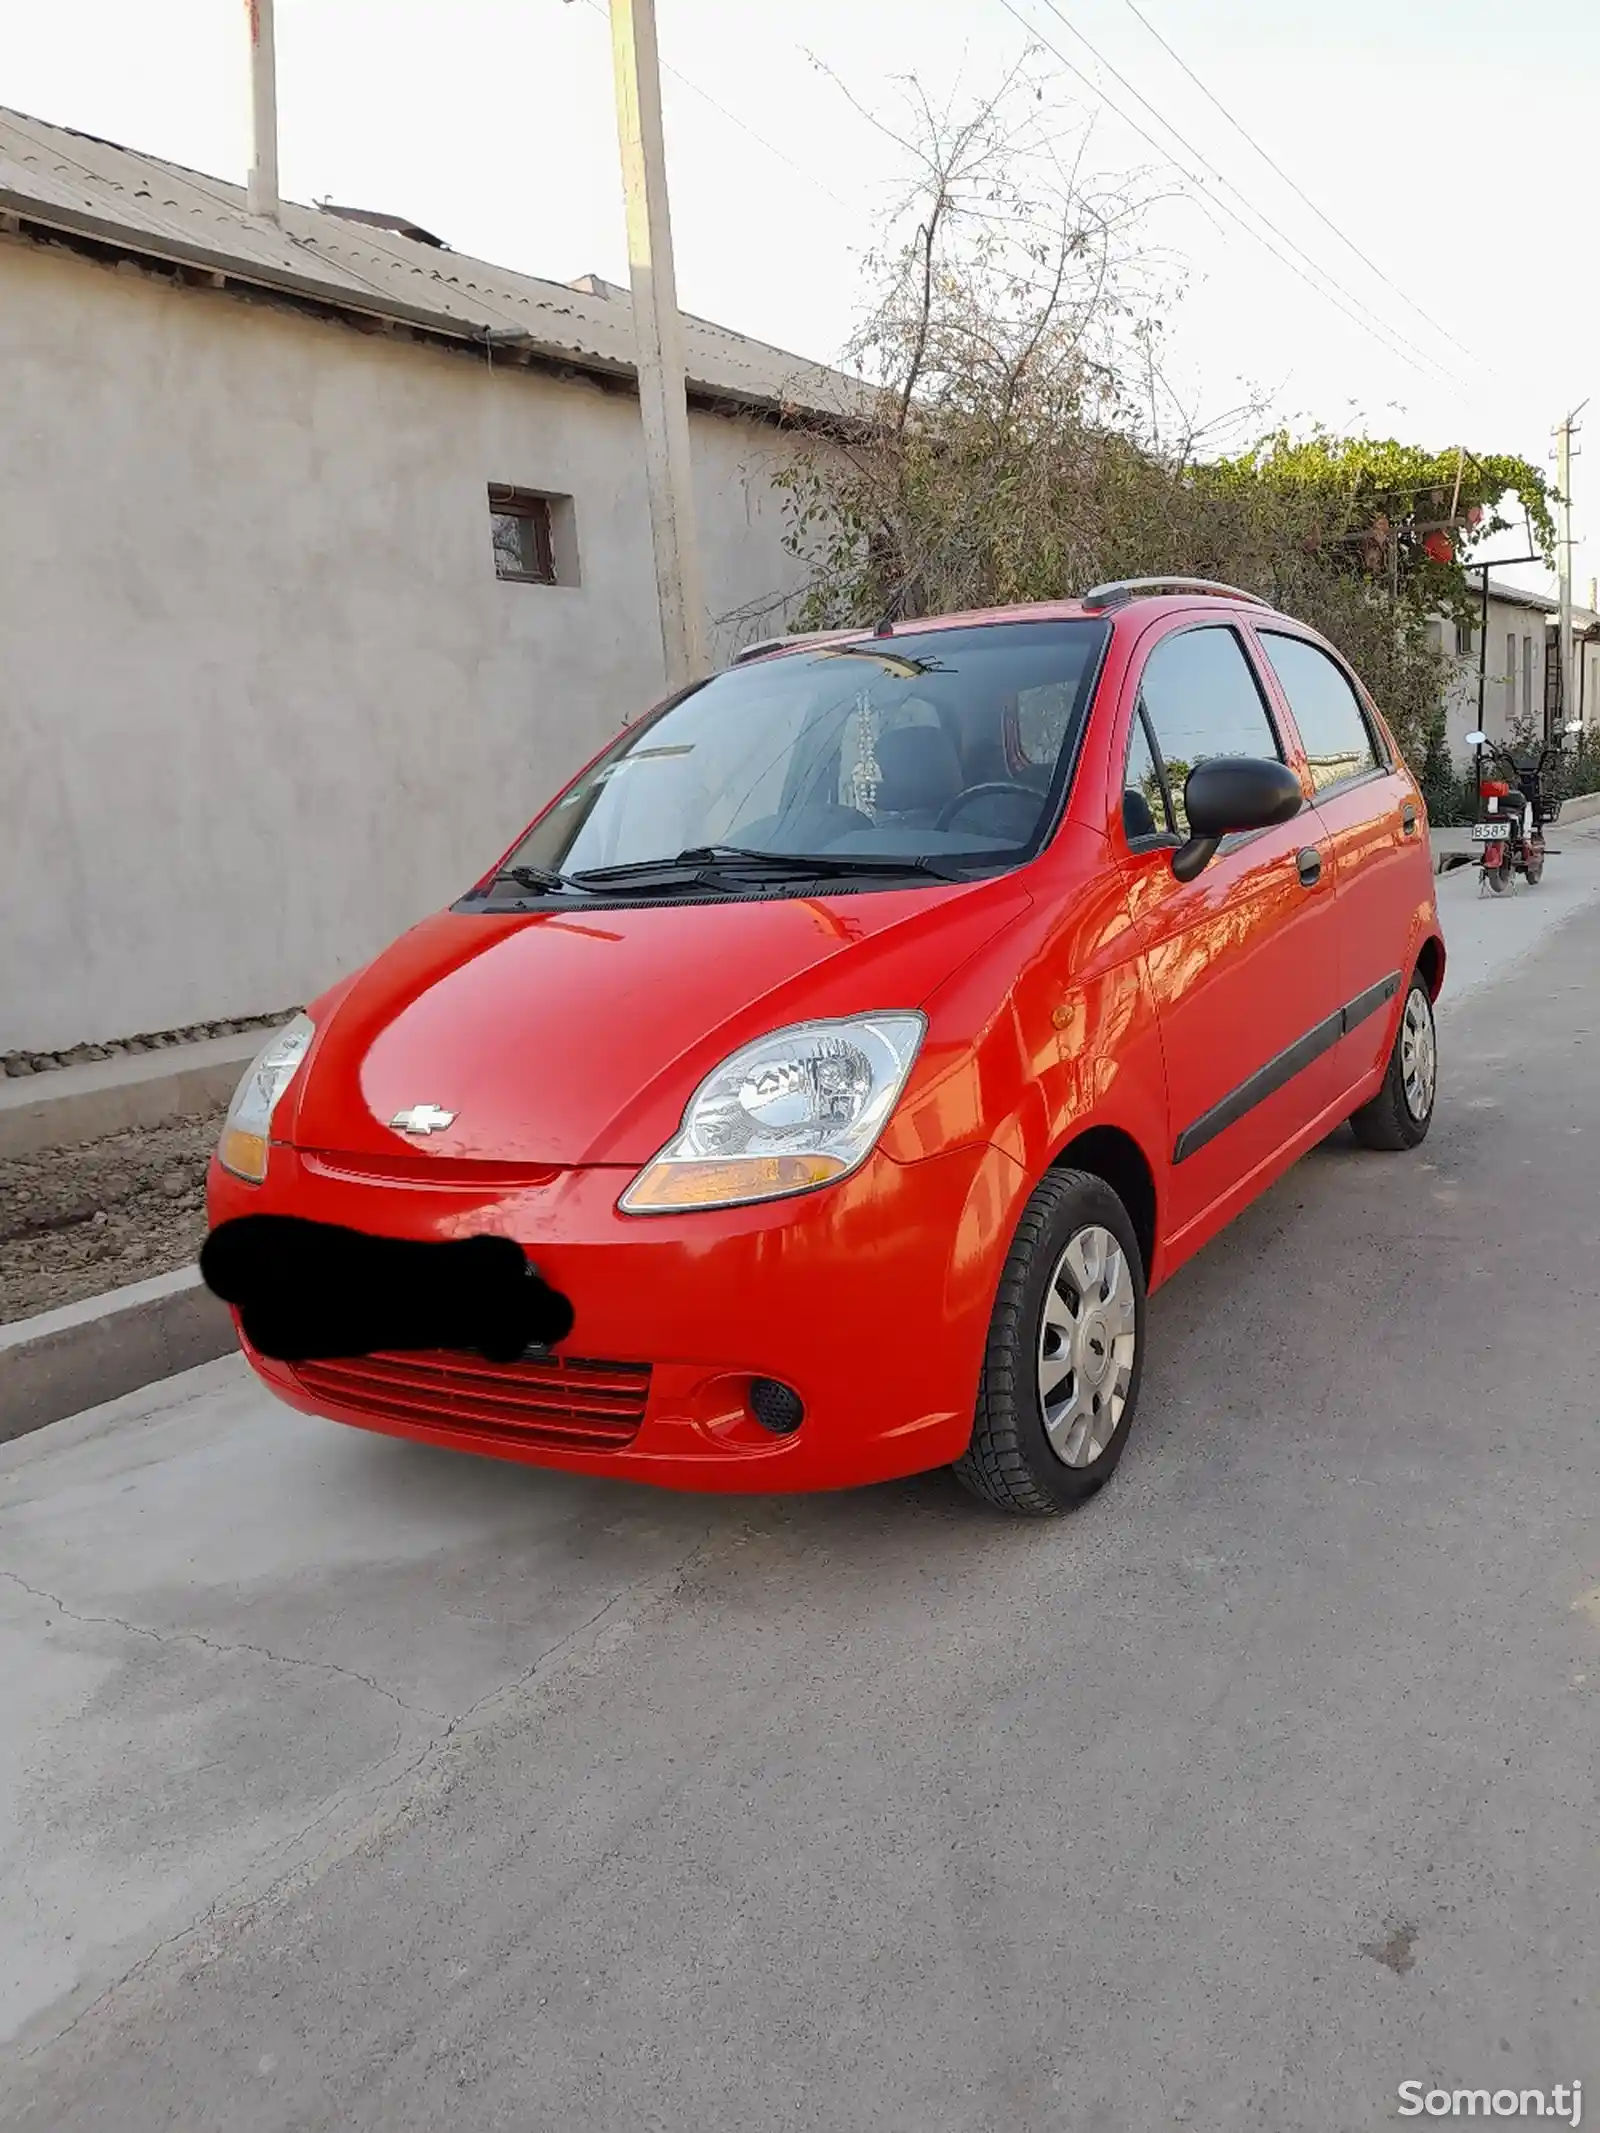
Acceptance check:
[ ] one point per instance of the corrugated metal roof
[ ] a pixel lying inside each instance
(1520, 596)
(78, 184)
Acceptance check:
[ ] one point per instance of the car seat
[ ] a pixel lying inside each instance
(919, 774)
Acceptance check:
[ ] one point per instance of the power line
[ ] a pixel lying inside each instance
(1395, 341)
(734, 119)
(1395, 336)
(1246, 135)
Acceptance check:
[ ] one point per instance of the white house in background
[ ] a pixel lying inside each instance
(1520, 673)
(324, 558)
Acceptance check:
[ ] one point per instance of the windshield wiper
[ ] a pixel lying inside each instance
(869, 863)
(537, 879)
(696, 857)
(702, 862)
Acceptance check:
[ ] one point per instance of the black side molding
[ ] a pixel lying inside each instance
(1367, 1003)
(1279, 1072)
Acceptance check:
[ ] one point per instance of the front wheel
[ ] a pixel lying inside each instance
(1065, 1353)
(1402, 1111)
(1534, 869)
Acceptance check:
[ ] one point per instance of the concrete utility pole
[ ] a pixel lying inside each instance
(1564, 456)
(658, 340)
(262, 192)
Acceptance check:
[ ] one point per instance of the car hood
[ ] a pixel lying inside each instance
(564, 1037)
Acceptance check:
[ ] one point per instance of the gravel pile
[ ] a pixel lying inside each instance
(75, 1222)
(20, 1063)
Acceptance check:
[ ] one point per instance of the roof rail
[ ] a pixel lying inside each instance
(1121, 590)
(760, 649)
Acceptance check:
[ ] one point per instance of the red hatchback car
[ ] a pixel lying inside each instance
(865, 1033)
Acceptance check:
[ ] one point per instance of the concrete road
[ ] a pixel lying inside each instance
(350, 1785)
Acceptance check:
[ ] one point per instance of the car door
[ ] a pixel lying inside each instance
(1243, 961)
(1372, 814)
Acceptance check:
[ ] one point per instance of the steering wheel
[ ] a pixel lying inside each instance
(948, 813)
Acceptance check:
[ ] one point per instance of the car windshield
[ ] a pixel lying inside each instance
(948, 745)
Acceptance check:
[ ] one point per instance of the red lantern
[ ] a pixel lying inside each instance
(1438, 548)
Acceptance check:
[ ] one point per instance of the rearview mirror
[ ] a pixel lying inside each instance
(1229, 794)
(1477, 740)
(1576, 726)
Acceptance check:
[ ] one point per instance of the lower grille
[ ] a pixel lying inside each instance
(556, 1401)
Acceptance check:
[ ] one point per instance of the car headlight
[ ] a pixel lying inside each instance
(801, 1108)
(245, 1131)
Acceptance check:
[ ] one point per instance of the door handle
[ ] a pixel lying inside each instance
(1308, 864)
(1408, 818)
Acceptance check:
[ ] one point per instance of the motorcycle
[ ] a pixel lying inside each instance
(1512, 818)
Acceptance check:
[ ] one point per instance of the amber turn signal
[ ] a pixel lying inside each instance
(665, 1186)
(245, 1154)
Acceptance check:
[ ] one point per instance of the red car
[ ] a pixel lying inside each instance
(865, 1033)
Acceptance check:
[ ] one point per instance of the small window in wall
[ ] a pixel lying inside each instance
(1527, 677)
(1466, 640)
(523, 524)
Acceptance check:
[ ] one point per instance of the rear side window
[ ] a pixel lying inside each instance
(1201, 699)
(1339, 741)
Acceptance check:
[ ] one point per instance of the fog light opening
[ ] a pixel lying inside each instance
(778, 1408)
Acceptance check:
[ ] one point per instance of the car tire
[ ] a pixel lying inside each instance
(1048, 1431)
(1400, 1114)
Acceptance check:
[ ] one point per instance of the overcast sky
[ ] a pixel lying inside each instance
(1450, 141)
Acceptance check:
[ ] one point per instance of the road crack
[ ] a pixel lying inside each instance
(213, 1644)
(226, 1914)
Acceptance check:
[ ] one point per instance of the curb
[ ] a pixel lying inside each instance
(60, 1362)
(84, 1103)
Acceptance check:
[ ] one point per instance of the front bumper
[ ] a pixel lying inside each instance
(870, 1298)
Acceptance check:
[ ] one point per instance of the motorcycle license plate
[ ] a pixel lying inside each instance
(1490, 832)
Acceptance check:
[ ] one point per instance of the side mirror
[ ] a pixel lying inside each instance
(1229, 794)
(1477, 740)
(1576, 726)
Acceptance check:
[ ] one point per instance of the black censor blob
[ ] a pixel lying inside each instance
(307, 1290)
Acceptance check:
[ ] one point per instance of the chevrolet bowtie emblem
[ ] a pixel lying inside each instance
(422, 1118)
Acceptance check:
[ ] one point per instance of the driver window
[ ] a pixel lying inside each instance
(1201, 698)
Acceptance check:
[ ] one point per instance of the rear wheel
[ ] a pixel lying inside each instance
(1402, 1111)
(1065, 1353)
(1498, 878)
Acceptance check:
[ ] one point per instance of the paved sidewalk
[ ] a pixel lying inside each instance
(1486, 935)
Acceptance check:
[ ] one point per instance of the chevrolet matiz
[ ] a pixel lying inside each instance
(864, 1035)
